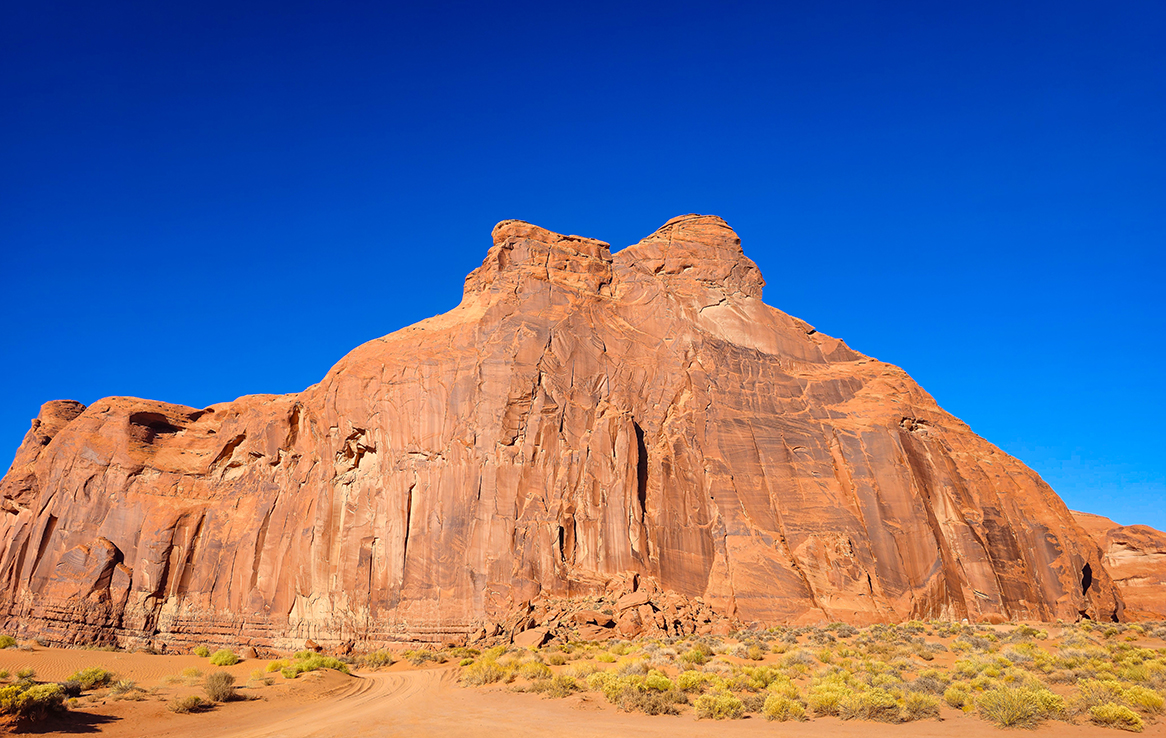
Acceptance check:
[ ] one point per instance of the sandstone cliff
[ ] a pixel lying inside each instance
(1135, 557)
(581, 418)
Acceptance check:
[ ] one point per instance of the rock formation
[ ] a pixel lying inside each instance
(579, 422)
(1135, 557)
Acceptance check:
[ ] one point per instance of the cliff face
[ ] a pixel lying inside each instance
(579, 418)
(1135, 557)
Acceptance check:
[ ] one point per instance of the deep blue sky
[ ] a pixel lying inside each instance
(201, 203)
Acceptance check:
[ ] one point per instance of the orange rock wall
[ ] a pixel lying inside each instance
(578, 417)
(1135, 557)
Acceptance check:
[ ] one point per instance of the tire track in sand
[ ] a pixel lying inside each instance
(366, 704)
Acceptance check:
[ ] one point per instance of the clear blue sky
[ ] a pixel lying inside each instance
(199, 203)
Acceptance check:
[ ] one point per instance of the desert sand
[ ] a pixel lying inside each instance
(431, 701)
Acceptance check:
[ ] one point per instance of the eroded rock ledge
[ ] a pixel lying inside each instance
(580, 418)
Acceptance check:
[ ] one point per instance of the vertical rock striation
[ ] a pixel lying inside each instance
(580, 418)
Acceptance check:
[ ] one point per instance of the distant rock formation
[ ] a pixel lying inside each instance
(582, 425)
(1135, 557)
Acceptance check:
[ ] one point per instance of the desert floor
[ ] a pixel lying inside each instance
(404, 700)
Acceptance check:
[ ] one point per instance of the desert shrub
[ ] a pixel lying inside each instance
(1009, 708)
(753, 702)
(31, 702)
(7, 641)
(219, 686)
(278, 665)
(535, 670)
(486, 671)
(4, 674)
(928, 684)
(580, 670)
(1093, 692)
(191, 672)
(781, 708)
(719, 706)
(26, 673)
(826, 698)
(691, 681)
(1143, 699)
(650, 702)
(1116, 716)
(919, 706)
(556, 659)
(755, 653)
(797, 658)
(311, 662)
(183, 705)
(694, 657)
(378, 659)
(561, 686)
(224, 657)
(92, 677)
(201, 651)
(71, 688)
(872, 704)
(123, 686)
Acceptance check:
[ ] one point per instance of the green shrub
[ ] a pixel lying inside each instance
(315, 661)
(827, 698)
(183, 705)
(202, 652)
(224, 657)
(7, 641)
(92, 677)
(1116, 716)
(219, 686)
(26, 673)
(719, 706)
(781, 708)
(277, 665)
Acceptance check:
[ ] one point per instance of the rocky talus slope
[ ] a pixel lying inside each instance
(1135, 557)
(583, 425)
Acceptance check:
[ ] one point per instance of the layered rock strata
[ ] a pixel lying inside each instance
(580, 418)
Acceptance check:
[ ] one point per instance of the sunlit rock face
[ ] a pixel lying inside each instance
(580, 418)
(1135, 558)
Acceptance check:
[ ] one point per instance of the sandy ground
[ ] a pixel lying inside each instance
(403, 701)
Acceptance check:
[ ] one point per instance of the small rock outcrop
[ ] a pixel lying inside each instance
(580, 419)
(1135, 558)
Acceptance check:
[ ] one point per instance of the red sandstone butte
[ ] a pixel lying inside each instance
(578, 418)
(1135, 557)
